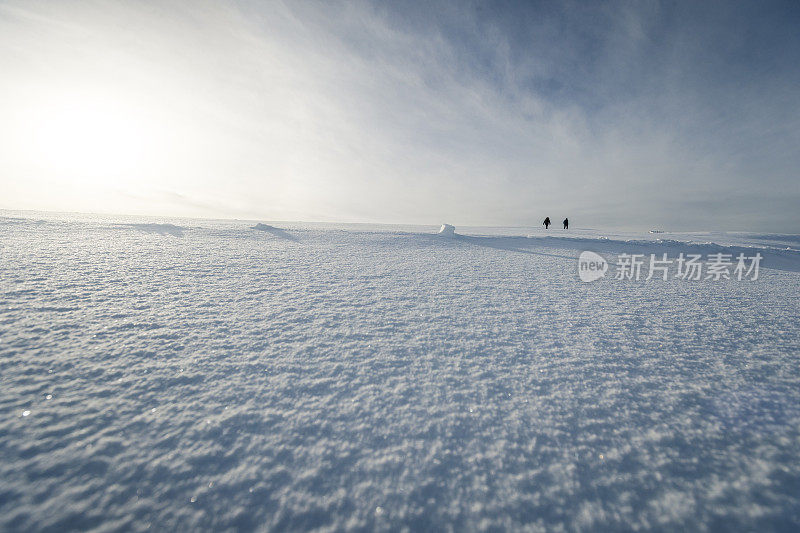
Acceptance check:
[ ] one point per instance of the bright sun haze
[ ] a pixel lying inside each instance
(629, 116)
(88, 138)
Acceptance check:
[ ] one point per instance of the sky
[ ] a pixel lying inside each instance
(631, 115)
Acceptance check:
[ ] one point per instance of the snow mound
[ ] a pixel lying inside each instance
(277, 232)
(447, 230)
(159, 229)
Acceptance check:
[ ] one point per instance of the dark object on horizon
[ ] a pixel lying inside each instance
(566, 223)
(546, 222)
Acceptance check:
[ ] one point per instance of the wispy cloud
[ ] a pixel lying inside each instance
(639, 115)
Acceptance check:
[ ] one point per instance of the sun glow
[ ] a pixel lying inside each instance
(90, 139)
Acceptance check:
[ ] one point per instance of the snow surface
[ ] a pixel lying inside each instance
(189, 374)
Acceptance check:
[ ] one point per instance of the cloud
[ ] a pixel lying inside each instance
(624, 115)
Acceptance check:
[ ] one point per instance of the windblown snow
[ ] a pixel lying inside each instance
(220, 375)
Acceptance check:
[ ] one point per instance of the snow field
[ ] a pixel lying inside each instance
(210, 375)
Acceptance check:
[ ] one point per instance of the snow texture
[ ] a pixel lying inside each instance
(207, 375)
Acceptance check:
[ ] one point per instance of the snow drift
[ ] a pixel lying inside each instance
(447, 230)
(159, 229)
(277, 232)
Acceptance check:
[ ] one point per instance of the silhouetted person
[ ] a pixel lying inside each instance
(546, 222)
(566, 223)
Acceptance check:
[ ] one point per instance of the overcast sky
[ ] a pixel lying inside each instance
(642, 115)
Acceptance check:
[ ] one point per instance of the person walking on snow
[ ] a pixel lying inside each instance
(566, 223)
(546, 222)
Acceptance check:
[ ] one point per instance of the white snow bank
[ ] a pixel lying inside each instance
(277, 232)
(447, 230)
(779, 252)
(775, 257)
(159, 229)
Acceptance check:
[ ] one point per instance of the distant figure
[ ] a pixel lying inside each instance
(566, 223)
(546, 222)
